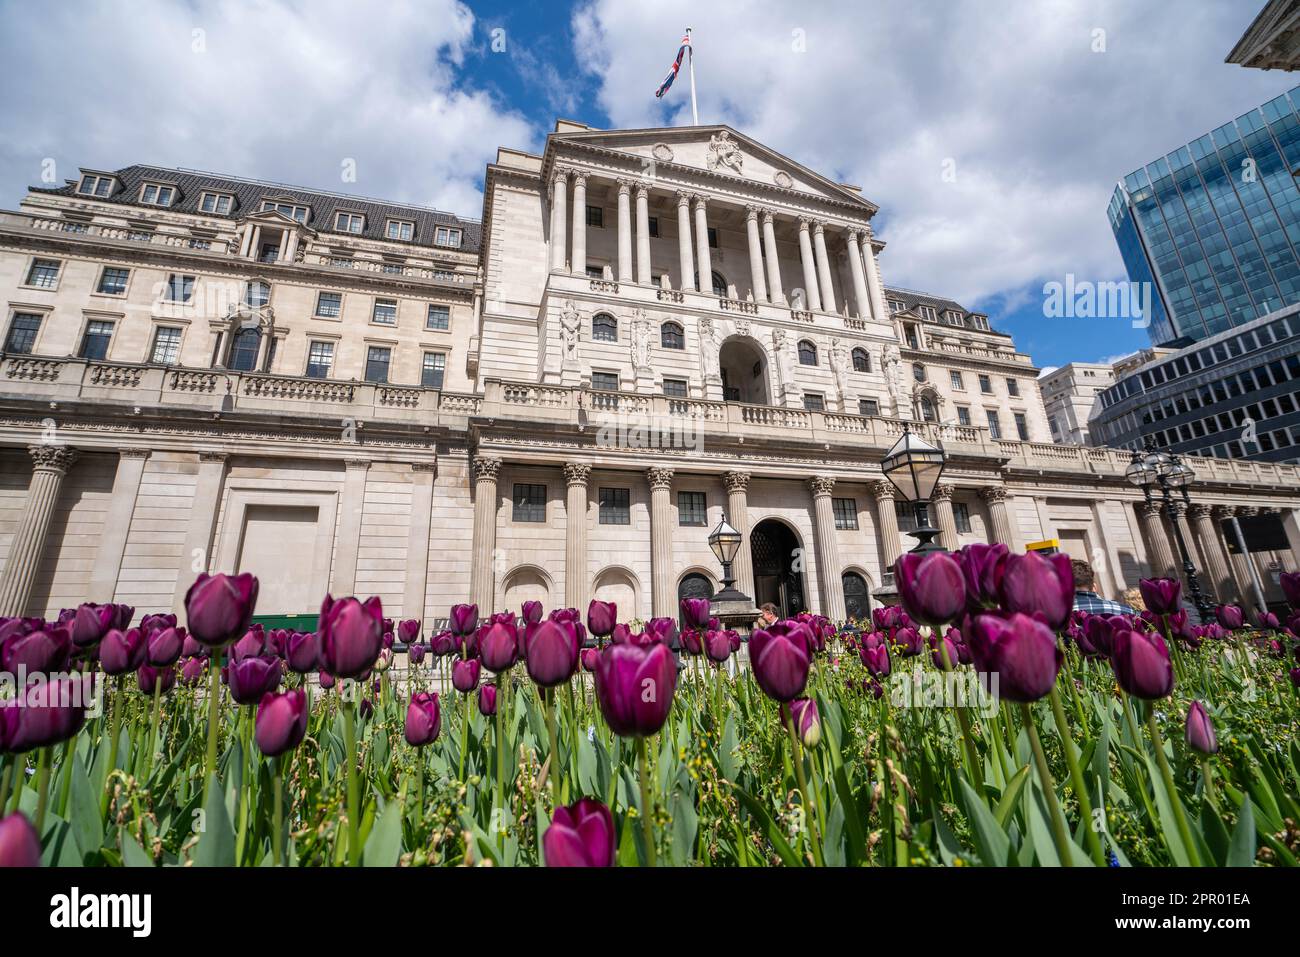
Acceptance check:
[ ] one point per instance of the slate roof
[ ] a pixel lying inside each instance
(911, 298)
(250, 193)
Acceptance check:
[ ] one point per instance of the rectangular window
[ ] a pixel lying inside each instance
(155, 195)
(604, 381)
(529, 503)
(431, 373)
(94, 343)
(961, 517)
(675, 388)
(653, 223)
(1013, 387)
(713, 238)
(868, 407)
(446, 236)
(400, 230)
(377, 360)
(439, 317)
(385, 312)
(596, 216)
(166, 346)
(329, 304)
(92, 185)
(813, 402)
(615, 506)
(44, 273)
(995, 427)
(692, 509)
(1022, 426)
(349, 222)
(846, 514)
(293, 211)
(22, 333)
(320, 360)
(905, 512)
(112, 281)
(180, 288)
(219, 203)
(956, 379)
(986, 385)
(963, 415)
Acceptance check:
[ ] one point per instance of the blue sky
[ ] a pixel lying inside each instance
(990, 132)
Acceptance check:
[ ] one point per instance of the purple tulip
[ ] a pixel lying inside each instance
(635, 686)
(1230, 616)
(1097, 632)
(281, 722)
(442, 644)
(20, 845)
(580, 835)
(982, 568)
(366, 710)
(807, 722)
(937, 651)
(1141, 664)
(876, 658)
(123, 651)
(302, 652)
(409, 631)
(601, 617)
(532, 612)
(193, 671)
(665, 630)
(498, 643)
(219, 608)
(780, 657)
(1200, 729)
(695, 612)
(932, 587)
(1267, 620)
(464, 619)
(465, 674)
(1161, 595)
(487, 700)
(326, 680)
(351, 635)
(589, 658)
(251, 645)
(163, 677)
(165, 646)
(1032, 583)
(552, 653)
(1021, 650)
(423, 719)
(415, 654)
(50, 712)
(1290, 582)
(252, 679)
(720, 645)
(89, 623)
(43, 651)
(157, 622)
(1295, 676)
(909, 642)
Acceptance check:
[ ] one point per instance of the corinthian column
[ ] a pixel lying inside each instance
(579, 224)
(50, 463)
(941, 499)
(559, 194)
(874, 292)
(737, 484)
(891, 543)
(643, 236)
(1215, 562)
(995, 496)
(624, 231)
(686, 257)
(755, 254)
(814, 300)
(774, 286)
(860, 301)
(575, 535)
(823, 268)
(663, 592)
(1159, 555)
(482, 573)
(702, 243)
(828, 552)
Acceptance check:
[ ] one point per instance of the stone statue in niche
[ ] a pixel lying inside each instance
(798, 302)
(839, 356)
(723, 152)
(569, 323)
(640, 340)
(781, 353)
(709, 350)
(892, 361)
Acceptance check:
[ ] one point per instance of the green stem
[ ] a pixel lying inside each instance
(647, 809)
(501, 762)
(214, 690)
(277, 837)
(354, 786)
(1059, 834)
(1076, 779)
(153, 726)
(115, 729)
(1166, 775)
(796, 753)
(65, 770)
(42, 787)
(464, 739)
(7, 780)
(549, 702)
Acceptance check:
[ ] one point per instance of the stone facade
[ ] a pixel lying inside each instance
(596, 411)
(1069, 394)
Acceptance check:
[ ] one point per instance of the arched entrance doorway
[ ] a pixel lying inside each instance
(743, 365)
(857, 596)
(774, 548)
(693, 585)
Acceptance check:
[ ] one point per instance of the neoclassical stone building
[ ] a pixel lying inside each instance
(648, 328)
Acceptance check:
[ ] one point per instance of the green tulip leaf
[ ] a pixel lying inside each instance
(216, 847)
(1241, 853)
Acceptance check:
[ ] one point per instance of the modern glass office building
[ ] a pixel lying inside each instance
(1215, 225)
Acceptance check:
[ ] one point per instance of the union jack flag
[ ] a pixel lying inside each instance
(677, 65)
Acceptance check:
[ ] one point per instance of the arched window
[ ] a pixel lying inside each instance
(693, 585)
(857, 597)
(719, 285)
(861, 360)
(257, 294)
(244, 347)
(604, 328)
(927, 409)
(807, 353)
(918, 372)
(671, 336)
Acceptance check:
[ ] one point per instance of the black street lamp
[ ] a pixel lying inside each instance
(725, 542)
(1152, 468)
(913, 466)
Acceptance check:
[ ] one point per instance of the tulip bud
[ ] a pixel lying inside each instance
(50, 712)
(552, 652)
(589, 658)
(326, 680)
(193, 671)
(1160, 595)
(384, 661)
(366, 710)
(1200, 729)
(779, 658)
(601, 617)
(165, 646)
(695, 612)
(580, 835)
(807, 722)
(464, 619)
(532, 612)
(20, 845)
(498, 643)
(982, 568)
(351, 635)
(149, 677)
(423, 719)
(1034, 584)
(635, 686)
(253, 678)
(302, 652)
(122, 651)
(409, 631)
(1290, 582)
(1229, 616)
(1141, 664)
(931, 586)
(414, 654)
(281, 722)
(465, 674)
(44, 651)
(219, 608)
(487, 700)
(89, 623)
(1021, 650)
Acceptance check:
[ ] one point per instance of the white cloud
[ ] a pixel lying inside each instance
(1045, 371)
(284, 90)
(1038, 126)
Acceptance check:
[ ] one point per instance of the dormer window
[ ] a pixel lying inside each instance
(952, 317)
(219, 203)
(92, 184)
(349, 222)
(156, 194)
(401, 230)
(447, 236)
(292, 210)
(896, 305)
(926, 312)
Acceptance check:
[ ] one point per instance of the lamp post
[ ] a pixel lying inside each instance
(913, 466)
(725, 542)
(1151, 469)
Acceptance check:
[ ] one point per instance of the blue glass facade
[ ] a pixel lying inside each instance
(1215, 225)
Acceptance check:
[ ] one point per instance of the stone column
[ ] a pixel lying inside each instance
(737, 484)
(828, 552)
(579, 257)
(117, 524)
(1180, 516)
(482, 573)
(643, 275)
(196, 556)
(1244, 564)
(50, 463)
(702, 244)
(686, 256)
(755, 254)
(891, 542)
(1217, 576)
(1160, 557)
(352, 504)
(559, 194)
(774, 287)
(874, 291)
(624, 231)
(663, 590)
(941, 501)
(575, 535)
(417, 539)
(813, 299)
(823, 268)
(860, 301)
(995, 496)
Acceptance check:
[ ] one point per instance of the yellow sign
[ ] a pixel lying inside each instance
(1049, 545)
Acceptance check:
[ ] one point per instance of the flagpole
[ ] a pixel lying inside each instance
(695, 112)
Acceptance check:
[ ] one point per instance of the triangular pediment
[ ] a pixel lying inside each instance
(273, 216)
(717, 149)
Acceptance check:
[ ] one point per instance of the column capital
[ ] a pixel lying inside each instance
(579, 177)
(752, 213)
(625, 186)
(804, 224)
(821, 485)
(486, 467)
(993, 494)
(642, 190)
(1149, 509)
(1199, 510)
(943, 493)
(1247, 511)
(883, 490)
(684, 199)
(701, 201)
(1178, 509)
(560, 175)
(1224, 511)
(53, 458)
(818, 227)
(576, 473)
(736, 481)
(769, 217)
(660, 479)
